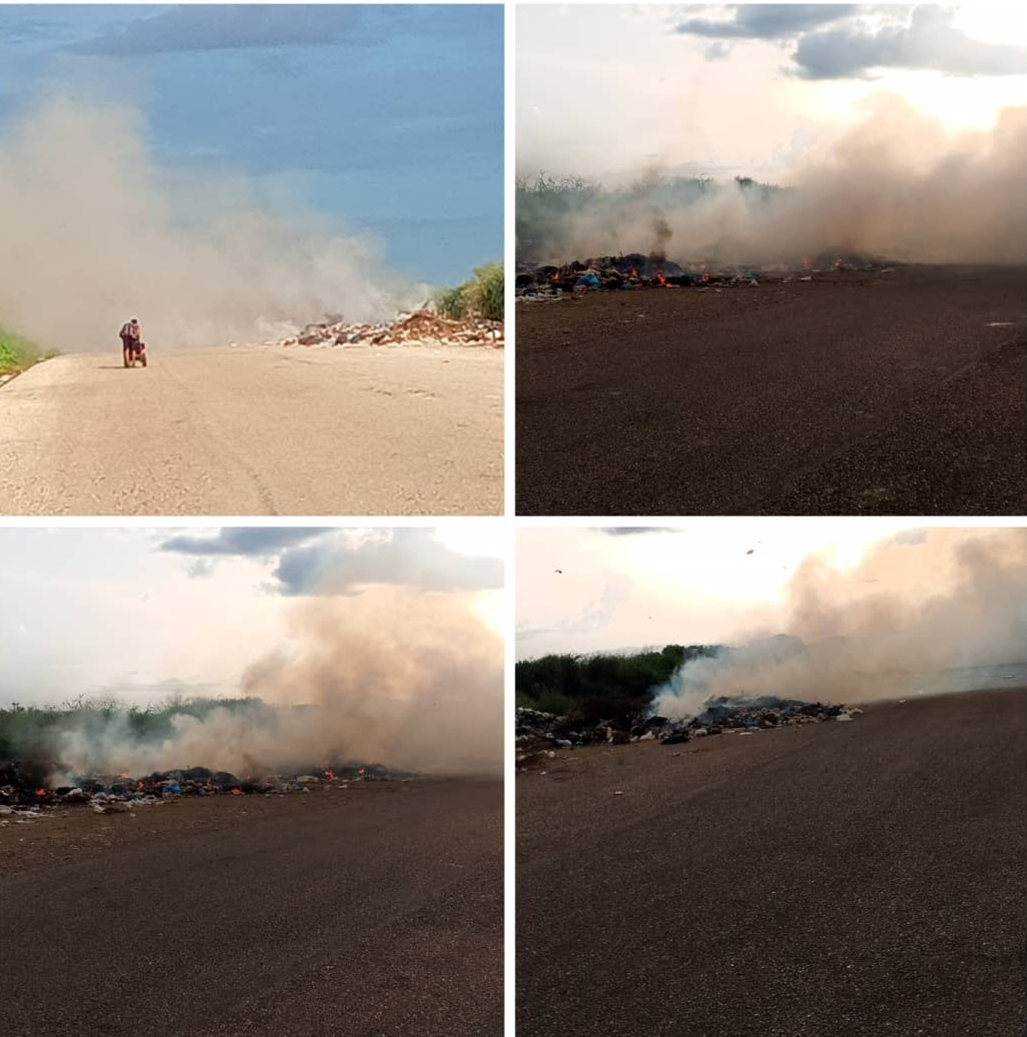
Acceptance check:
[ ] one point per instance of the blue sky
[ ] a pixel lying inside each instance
(388, 117)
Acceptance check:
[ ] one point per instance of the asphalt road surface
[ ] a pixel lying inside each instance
(256, 431)
(371, 912)
(833, 880)
(901, 393)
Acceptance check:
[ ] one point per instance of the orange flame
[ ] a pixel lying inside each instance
(330, 774)
(634, 272)
(555, 277)
(40, 792)
(236, 792)
(361, 771)
(661, 278)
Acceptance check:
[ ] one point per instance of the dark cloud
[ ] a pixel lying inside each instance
(408, 557)
(910, 537)
(626, 531)
(766, 21)
(254, 541)
(928, 41)
(832, 43)
(197, 27)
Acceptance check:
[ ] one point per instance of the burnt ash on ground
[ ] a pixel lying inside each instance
(540, 734)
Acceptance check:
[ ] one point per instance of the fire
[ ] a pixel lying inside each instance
(634, 272)
(661, 278)
(361, 771)
(40, 792)
(236, 792)
(139, 785)
(330, 775)
(555, 277)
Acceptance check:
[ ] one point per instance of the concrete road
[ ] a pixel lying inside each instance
(893, 394)
(368, 912)
(256, 431)
(852, 880)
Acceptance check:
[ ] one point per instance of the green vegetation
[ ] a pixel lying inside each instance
(547, 206)
(18, 353)
(601, 686)
(482, 296)
(32, 732)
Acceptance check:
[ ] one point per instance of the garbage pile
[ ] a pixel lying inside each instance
(635, 271)
(618, 273)
(23, 786)
(537, 733)
(421, 328)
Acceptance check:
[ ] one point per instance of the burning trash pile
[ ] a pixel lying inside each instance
(24, 788)
(636, 271)
(614, 273)
(538, 733)
(421, 328)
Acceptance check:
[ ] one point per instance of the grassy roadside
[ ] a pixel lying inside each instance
(481, 296)
(18, 353)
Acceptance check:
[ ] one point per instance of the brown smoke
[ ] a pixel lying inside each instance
(95, 231)
(920, 603)
(392, 676)
(898, 185)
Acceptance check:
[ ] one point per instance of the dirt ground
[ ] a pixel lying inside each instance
(900, 393)
(371, 911)
(859, 880)
(257, 431)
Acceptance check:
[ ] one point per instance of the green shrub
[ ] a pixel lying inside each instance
(604, 686)
(481, 296)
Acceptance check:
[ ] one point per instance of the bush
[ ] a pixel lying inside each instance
(481, 296)
(604, 686)
(16, 352)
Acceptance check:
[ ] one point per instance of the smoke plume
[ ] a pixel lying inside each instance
(96, 231)
(393, 676)
(939, 600)
(898, 185)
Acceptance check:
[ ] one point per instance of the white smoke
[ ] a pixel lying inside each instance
(96, 231)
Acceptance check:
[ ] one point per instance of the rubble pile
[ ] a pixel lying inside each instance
(421, 328)
(24, 790)
(538, 734)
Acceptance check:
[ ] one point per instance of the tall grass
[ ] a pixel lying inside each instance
(481, 296)
(29, 731)
(18, 353)
(601, 686)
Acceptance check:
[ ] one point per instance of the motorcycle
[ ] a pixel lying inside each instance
(134, 352)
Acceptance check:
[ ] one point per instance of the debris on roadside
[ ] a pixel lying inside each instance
(420, 328)
(24, 793)
(720, 715)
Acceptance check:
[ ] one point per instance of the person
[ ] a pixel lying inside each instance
(130, 336)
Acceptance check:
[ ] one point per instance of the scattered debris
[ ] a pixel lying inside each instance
(24, 789)
(421, 328)
(721, 715)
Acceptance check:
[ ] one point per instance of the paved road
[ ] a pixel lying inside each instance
(853, 394)
(370, 912)
(836, 880)
(256, 431)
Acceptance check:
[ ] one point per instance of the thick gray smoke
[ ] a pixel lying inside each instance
(898, 185)
(392, 676)
(95, 231)
(940, 600)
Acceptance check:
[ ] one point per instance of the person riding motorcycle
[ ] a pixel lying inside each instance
(131, 340)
